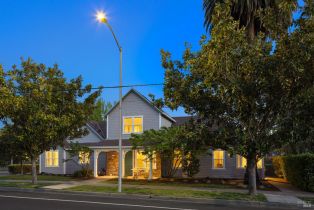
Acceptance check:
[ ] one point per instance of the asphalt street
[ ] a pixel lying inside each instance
(61, 201)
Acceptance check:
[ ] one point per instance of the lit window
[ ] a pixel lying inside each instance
(219, 159)
(177, 160)
(260, 164)
(242, 162)
(142, 161)
(52, 158)
(132, 125)
(84, 158)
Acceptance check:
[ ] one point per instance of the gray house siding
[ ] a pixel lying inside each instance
(73, 164)
(231, 171)
(132, 105)
(89, 138)
(164, 122)
(53, 170)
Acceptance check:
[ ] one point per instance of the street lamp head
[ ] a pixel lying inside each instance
(101, 17)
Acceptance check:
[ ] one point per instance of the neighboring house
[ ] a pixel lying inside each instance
(138, 115)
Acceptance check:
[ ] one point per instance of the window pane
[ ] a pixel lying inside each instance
(140, 160)
(260, 164)
(55, 158)
(177, 160)
(219, 159)
(127, 128)
(127, 121)
(218, 163)
(138, 128)
(138, 121)
(241, 162)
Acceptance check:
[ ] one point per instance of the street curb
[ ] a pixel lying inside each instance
(219, 202)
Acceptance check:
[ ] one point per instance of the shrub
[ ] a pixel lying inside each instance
(86, 173)
(299, 170)
(278, 163)
(16, 168)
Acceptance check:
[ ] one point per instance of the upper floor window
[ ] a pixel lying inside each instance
(218, 159)
(52, 158)
(242, 162)
(132, 125)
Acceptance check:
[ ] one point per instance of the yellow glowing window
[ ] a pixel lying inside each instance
(142, 161)
(52, 158)
(219, 159)
(177, 159)
(132, 125)
(260, 164)
(84, 158)
(242, 162)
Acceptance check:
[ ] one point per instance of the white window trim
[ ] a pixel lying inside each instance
(58, 159)
(159, 120)
(213, 160)
(141, 116)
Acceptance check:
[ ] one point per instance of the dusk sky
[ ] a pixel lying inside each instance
(66, 33)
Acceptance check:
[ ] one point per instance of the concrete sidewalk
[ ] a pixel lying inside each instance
(288, 194)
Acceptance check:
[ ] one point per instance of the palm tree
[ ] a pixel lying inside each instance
(245, 12)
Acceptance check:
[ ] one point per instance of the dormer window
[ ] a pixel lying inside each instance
(132, 124)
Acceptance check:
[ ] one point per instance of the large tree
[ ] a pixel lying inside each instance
(42, 108)
(101, 108)
(249, 14)
(241, 87)
(177, 147)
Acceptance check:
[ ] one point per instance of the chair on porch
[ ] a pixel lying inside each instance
(139, 172)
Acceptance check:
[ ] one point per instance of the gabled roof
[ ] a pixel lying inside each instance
(99, 128)
(164, 114)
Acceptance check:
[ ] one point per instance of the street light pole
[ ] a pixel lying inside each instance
(102, 18)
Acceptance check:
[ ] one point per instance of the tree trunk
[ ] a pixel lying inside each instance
(150, 176)
(251, 31)
(251, 165)
(34, 171)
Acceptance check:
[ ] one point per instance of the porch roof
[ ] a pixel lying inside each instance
(108, 143)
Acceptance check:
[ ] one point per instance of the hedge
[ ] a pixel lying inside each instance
(298, 170)
(16, 168)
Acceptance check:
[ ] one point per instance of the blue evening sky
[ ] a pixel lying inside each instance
(66, 33)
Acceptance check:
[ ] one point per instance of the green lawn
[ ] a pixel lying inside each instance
(176, 184)
(40, 177)
(172, 193)
(27, 185)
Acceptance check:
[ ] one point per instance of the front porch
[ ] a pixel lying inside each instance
(135, 165)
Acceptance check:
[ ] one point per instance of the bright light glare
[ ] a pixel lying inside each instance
(101, 16)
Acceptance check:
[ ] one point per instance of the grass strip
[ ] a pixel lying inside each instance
(172, 193)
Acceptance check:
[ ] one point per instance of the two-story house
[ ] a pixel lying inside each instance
(138, 114)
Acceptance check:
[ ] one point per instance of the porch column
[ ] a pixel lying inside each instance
(96, 153)
(123, 162)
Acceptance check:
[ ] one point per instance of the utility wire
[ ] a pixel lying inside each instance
(106, 87)
(125, 86)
